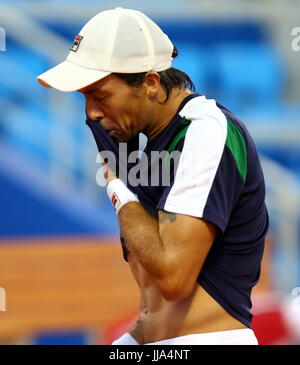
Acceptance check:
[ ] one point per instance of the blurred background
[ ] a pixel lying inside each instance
(61, 264)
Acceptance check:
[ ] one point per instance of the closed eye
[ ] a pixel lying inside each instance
(101, 100)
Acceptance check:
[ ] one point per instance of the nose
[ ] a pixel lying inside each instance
(92, 109)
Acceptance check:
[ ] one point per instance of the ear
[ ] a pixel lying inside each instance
(152, 84)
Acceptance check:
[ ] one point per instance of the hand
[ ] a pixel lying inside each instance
(107, 173)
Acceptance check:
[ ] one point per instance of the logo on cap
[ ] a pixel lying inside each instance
(76, 43)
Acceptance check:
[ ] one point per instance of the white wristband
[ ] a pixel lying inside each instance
(119, 194)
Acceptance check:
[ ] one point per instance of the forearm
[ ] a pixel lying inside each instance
(141, 234)
(144, 239)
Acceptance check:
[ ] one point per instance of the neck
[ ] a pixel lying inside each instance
(166, 113)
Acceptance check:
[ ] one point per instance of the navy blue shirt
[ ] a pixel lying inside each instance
(211, 171)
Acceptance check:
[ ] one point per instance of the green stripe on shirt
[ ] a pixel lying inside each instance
(236, 143)
(184, 125)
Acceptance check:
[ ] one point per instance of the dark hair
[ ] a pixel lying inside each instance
(170, 78)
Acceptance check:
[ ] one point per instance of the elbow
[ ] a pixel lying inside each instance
(174, 291)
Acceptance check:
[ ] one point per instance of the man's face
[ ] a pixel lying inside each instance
(120, 109)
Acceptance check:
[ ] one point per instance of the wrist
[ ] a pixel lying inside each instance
(119, 194)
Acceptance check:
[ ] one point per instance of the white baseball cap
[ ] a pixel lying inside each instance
(118, 40)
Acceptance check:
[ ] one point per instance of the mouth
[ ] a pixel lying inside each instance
(108, 131)
(114, 133)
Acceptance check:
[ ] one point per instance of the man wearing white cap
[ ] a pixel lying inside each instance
(194, 245)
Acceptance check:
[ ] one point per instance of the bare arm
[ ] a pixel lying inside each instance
(172, 250)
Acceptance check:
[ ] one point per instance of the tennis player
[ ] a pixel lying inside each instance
(195, 244)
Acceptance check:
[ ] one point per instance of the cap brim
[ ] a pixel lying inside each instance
(68, 77)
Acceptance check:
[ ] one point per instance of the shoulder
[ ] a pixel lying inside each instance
(206, 125)
(200, 109)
